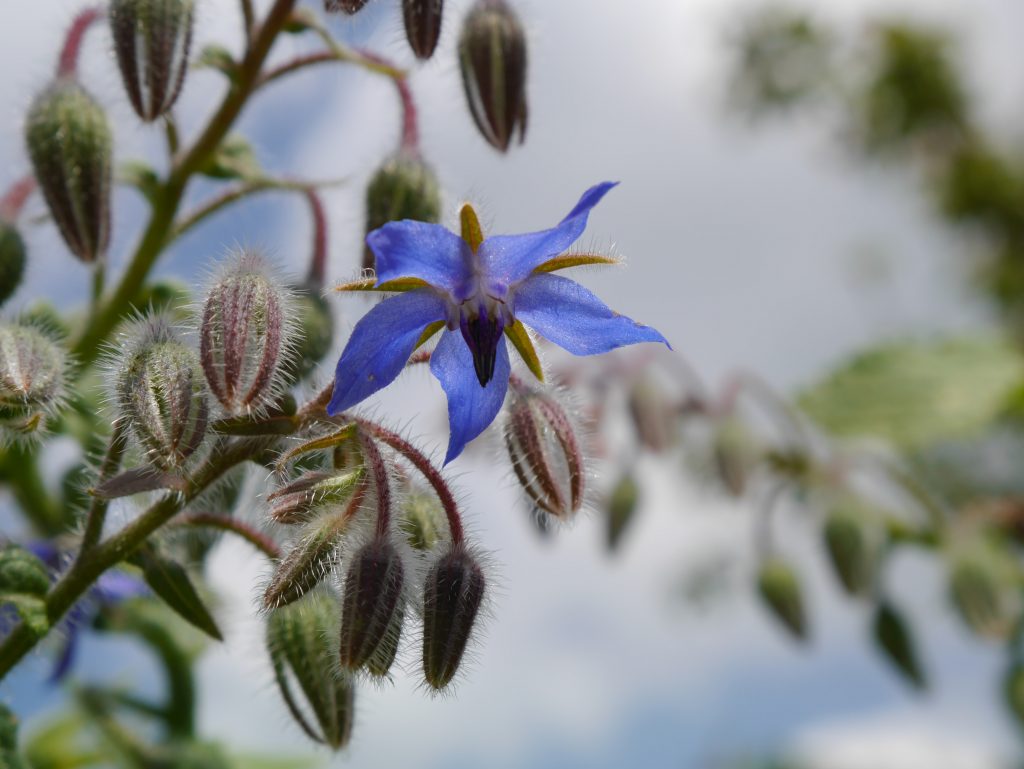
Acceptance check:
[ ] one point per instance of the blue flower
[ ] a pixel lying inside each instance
(481, 292)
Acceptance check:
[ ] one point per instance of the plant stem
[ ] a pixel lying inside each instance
(98, 508)
(225, 523)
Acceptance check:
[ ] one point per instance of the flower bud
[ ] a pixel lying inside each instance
(1013, 692)
(70, 146)
(152, 40)
(983, 594)
(298, 639)
(346, 6)
(781, 592)
(422, 521)
(423, 25)
(894, 640)
(405, 187)
(371, 599)
(161, 393)
(735, 455)
(313, 554)
(311, 494)
(12, 260)
(654, 415)
(452, 595)
(21, 572)
(622, 505)
(545, 453)
(31, 377)
(492, 56)
(245, 334)
(852, 555)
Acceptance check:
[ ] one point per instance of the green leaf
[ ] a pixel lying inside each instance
(234, 159)
(171, 582)
(219, 58)
(914, 394)
(894, 640)
(142, 177)
(31, 609)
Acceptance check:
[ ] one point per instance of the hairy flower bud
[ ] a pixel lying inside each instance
(346, 6)
(423, 25)
(452, 595)
(371, 598)
(422, 521)
(22, 573)
(850, 550)
(311, 557)
(622, 506)
(311, 494)
(70, 146)
(32, 368)
(301, 653)
(161, 393)
(152, 40)
(780, 589)
(405, 187)
(984, 594)
(245, 334)
(545, 453)
(12, 260)
(492, 56)
(654, 415)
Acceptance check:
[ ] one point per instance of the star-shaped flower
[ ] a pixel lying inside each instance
(480, 291)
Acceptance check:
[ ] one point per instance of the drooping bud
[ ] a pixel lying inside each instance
(32, 368)
(423, 25)
(371, 598)
(22, 573)
(654, 415)
(161, 393)
(492, 56)
(345, 6)
(894, 640)
(387, 650)
(422, 521)
(404, 187)
(780, 589)
(152, 40)
(302, 655)
(313, 493)
(622, 505)
(735, 455)
(1013, 692)
(985, 593)
(245, 335)
(545, 453)
(452, 596)
(12, 260)
(70, 146)
(850, 550)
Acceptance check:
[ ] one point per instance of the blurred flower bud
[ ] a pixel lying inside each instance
(545, 453)
(22, 573)
(245, 335)
(423, 25)
(405, 187)
(622, 505)
(12, 260)
(152, 40)
(70, 146)
(654, 415)
(422, 521)
(735, 455)
(161, 393)
(345, 6)
(452, 595)
(492, 56)
(780, 589)
(301, 653)
(894, 640)
(32, 368)
(853, 555)
(1013, 691)
(985, 593)
(371, 598)
(311, 494)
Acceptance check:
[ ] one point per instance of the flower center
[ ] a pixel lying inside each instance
(482, 328)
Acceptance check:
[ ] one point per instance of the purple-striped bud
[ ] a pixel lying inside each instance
(780, 589)
(311, 494)
(70, 146)
(492, 56)
(12, 260)
(345, 6)
(152, 40)
(302, 656)
(161, 394)
(32, 373)
(405, 187)
(452, 596)
(371, 599)
(246, 334)
(423, 25)
(545, 453)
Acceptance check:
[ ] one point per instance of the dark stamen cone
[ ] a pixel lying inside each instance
(404, 187)
(452, 596)
(12, 260)
(423, 25)
(371, 597)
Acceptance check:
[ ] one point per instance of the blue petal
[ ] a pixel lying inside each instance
(573, 318)
(509, 259)
(380, 345)
(410, 249)
(470, 407)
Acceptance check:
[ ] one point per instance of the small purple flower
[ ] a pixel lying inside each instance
(481, 291)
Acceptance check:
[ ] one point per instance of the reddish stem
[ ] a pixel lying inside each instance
(379, 470)
(318, 262)
(255, 538)
(67, 65)
(14, 199)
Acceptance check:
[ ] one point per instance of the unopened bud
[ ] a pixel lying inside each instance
(894, 640)
(780, 589)
(21, 572)
(313, 555)
(622, 505)
(423, 25)
(152, 40)
(12, 260)
(1013, 691)
(405, 187)
(70, 145)
(850, 550)
(371, 599)
(161, 393)
(245, 334)
(735, 455)
(492, 56)
(311, 494)
(32, 368)
(654, 415)
(452, 595)
(301, 653)
(545, 453)
(984, 595)
(345, 6)
(422, 521)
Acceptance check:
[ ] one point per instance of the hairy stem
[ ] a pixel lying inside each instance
(255, 538)
(98, 508)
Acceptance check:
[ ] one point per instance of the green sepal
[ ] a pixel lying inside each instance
(169, 580)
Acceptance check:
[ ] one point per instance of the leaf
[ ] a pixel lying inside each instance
(219, 58)
(893, 638)
(234, 159)
(913, 394)
(169, 580)
(31, 610)
(142, 177)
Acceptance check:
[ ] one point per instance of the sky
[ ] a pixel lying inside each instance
(741, 247)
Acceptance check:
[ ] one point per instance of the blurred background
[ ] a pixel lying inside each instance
(799, 184)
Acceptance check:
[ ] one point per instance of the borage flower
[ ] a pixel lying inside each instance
(481, 291)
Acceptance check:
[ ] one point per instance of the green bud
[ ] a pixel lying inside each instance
(621, 506)
(895, 641)
(405, 187)
(311, 557)
(780, 589)
(850, 551)
(12, 260)
(22, 572)
(452, 595)
(32, 368)
(70, 146)
(371, 600)
(422, 521)
(312, 494)
(984, 594)
(1013, 692)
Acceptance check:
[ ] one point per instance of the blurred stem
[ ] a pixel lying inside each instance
(179, 712)
(19, 469)
(248, 20)
(67, 64)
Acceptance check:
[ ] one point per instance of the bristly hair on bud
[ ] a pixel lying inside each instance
(313, 493)
(423, 25)
(33, 371)
(404, 187)
(344, 6)
(453, 593)
(492, 57)
(372, 603)
(247, 334)
(152, 40)
(70, 146)
(161, 394)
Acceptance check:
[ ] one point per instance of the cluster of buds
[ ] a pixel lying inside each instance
(33, 368)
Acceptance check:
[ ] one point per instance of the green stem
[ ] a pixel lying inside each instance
(98, 507)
